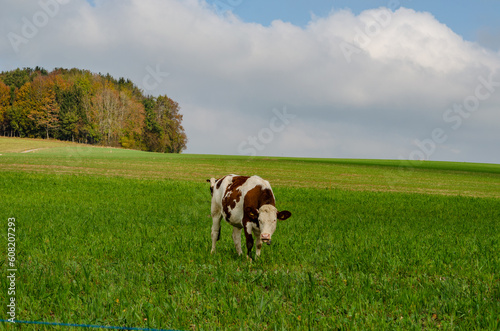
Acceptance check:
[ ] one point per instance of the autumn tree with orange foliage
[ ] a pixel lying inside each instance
(4, 102)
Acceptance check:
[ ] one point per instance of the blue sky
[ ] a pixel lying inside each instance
(473, 20)
(335, 79)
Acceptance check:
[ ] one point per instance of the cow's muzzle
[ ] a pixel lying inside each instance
(266, 238)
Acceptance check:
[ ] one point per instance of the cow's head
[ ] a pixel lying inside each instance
(267, 217)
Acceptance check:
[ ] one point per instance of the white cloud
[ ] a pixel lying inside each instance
(404, 71)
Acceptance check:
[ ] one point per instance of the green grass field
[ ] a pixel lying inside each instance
(122, 238)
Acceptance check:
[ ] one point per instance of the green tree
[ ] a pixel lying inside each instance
(169, 117)
(19, 114)
(17, 78)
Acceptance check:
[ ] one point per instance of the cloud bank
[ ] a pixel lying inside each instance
(387, 83)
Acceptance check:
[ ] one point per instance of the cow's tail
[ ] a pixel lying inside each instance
(212, 185)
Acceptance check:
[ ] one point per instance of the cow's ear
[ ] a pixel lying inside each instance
(252, 212)
(208, 180)
(283, 215)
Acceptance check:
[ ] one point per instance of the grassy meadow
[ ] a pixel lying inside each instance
(117, 237)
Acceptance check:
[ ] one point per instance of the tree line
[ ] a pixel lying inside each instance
(81, 106)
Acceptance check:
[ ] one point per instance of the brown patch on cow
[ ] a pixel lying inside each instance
(248, 239)
(232, 195)
(258, 197)
(219, 182)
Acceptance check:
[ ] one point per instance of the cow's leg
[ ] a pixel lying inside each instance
(248, 237)
(215, 230)
(258, 244)
(237, 240)
(249, 240)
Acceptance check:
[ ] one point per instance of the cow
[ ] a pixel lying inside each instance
(245, 203)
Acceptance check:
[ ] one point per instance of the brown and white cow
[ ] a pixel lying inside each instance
(245, 203)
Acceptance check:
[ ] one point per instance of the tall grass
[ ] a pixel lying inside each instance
(127, 251)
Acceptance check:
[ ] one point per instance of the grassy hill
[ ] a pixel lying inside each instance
(117, 237)
(447, 178)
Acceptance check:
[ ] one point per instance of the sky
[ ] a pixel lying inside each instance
(394, 79)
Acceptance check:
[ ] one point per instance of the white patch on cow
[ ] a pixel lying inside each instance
(268, 219)
(237, 239)
(218, 195)
(215, 230)
(249, 227)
